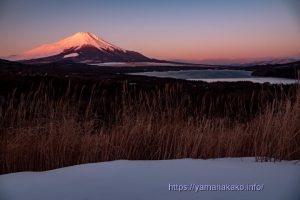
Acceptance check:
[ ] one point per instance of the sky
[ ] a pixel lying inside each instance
(163, 29)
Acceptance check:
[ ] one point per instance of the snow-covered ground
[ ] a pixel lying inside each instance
(156, 179)
(136, 64)
(271, 80)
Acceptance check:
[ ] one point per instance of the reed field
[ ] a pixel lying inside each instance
(42, 130)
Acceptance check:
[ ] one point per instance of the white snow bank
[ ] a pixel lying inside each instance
(71, 55)
(150, 180)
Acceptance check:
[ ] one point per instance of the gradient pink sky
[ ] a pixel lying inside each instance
(162, 29)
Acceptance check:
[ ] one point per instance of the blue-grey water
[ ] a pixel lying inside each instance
(217, 75)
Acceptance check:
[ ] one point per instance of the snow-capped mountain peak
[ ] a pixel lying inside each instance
(74, 42)
(85, 38)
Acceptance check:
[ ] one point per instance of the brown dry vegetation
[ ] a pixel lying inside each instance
(39, 132)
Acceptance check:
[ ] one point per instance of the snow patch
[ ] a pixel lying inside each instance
(150, 180)
(71, 55)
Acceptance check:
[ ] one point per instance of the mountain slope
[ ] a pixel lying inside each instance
(289, 70)
(81, 47)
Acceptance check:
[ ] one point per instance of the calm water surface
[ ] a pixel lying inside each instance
(217, 75)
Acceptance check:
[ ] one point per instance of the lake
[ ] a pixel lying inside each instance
(217, 76)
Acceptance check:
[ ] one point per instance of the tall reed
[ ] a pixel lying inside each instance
(42, 130)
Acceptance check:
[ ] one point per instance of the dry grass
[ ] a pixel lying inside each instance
(40, 133)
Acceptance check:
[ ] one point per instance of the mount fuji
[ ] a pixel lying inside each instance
(82, 47)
